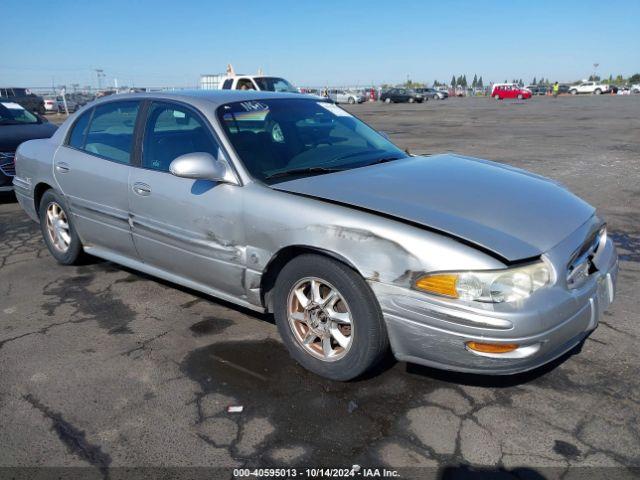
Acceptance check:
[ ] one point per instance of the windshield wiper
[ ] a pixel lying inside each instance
(301, 171)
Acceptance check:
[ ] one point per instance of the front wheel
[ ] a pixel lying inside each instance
(520, 96)
(329, 318)
(351, 100)
(598, 91)
(58, 231)
(497, 97)
(411, 100)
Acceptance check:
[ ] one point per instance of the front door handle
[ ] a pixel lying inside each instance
(62, 167)
(142, 189)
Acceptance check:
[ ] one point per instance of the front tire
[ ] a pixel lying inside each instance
(351, 100)
(598, 91)
(328, 318)
(520, 96)
(411, 100)
(58, 231)
(497, 97)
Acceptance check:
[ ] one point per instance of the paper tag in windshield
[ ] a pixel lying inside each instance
(12, 105)
(337, 111)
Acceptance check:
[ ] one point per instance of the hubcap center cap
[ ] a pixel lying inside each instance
(318, 319)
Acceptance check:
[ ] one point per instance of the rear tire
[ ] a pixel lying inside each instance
(351, 100)
(573, 92)
(58, 231)
(520, 96)
(497, 97)
(411, 100)
(364, 335)
(387, 100)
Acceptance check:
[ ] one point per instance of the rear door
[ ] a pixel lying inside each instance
(189, 228)
(92, 169)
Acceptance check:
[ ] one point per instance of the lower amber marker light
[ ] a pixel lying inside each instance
(492, 347)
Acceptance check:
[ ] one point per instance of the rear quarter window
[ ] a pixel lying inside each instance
(79, 131)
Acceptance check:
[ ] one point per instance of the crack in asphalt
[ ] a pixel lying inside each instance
(73, 438)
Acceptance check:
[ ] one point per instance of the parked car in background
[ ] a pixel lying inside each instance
(50, 105)
(346, 96)
(24, 97)
(501, 91)
(635, 88)
(72, 105)
(16, 126)
(257, 82)
(563, 88)
(432, 93)
(537, 89)
(401, 95)
(595, 88)
(81, 98)
(289, 204)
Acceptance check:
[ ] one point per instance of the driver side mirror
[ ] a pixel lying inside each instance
(203, 166)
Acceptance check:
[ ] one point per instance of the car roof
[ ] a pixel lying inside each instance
(204, 98)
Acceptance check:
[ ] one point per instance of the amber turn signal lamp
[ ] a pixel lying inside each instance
(492, 347)
(440, 284)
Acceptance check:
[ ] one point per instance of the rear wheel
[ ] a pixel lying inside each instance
(435, 97)
(411, 99)
(573, 91)
(520, 96)
(58, 231)
(387, 100)
(329, 318)
(351, 100)
(497, 97)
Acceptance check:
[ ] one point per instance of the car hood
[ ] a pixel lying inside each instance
(13, 135)
(512, 213)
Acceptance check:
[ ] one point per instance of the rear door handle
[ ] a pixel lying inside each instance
(142, 189)
(62, 167)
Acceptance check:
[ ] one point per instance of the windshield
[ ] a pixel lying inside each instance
(275, 84)
(280, 138)
(13, 114)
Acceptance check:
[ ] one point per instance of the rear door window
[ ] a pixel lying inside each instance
(173, 130)
(110, 133)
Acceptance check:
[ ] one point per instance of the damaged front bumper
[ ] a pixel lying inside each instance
(434, 331)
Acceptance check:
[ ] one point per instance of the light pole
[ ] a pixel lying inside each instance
(100, 74)
(595, 71)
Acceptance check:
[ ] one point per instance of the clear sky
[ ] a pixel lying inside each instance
(164, 43)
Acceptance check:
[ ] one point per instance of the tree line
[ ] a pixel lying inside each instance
(477, 82)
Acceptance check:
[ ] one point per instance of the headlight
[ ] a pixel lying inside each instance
(496, 286)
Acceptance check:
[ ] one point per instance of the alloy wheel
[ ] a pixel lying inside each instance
(58, 227)
(320, 319)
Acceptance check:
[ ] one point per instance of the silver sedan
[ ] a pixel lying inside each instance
(287, 203)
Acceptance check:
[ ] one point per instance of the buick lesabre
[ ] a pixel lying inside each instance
(289, 204)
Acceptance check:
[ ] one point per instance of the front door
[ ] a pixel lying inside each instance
(189, 228)
(92, 169)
